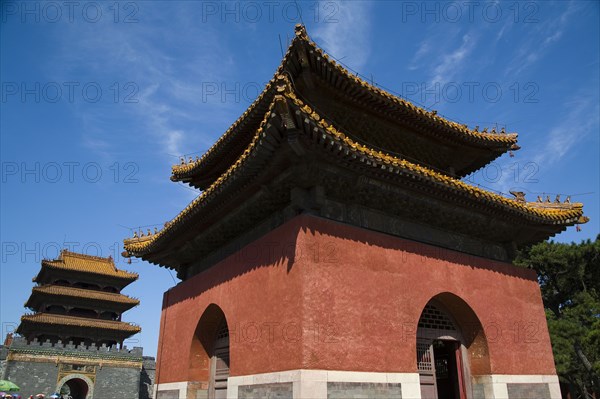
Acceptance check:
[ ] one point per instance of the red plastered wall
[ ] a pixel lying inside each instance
(316, 294)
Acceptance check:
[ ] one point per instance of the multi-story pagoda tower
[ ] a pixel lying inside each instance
(335, 252)
(78, 298)
(73, 343)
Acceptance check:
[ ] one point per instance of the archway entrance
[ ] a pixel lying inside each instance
(209, 355)
(448, 369)
(451, 347)
(219, 368)
(75, 388)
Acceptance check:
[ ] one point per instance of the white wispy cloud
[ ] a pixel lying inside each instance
(166, 67)
(502, 31)
(543, 35)
(451, 63)
(579, 122)
(173, 141)
(346, 35)
(424, 49)
(444, 52)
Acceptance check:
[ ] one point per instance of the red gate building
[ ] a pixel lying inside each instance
(336, 252)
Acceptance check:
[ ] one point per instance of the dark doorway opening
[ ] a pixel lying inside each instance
(76, 388)
(220, 362)
(445, 354)
(448, 370)
(209, 353)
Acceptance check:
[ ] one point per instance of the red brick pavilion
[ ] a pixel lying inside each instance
(335, 252)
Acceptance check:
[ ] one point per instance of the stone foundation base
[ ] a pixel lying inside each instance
(327, 384)
(500, 386)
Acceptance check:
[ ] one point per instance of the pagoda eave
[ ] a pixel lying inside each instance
(49, 275)
(44, 323)
(67, 296)
(314, 153)
(87, 265)
(311, 70)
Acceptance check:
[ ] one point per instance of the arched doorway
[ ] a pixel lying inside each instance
(451, 348)
(209, 355)
(75, 388)
(219, 367)
(78, 386)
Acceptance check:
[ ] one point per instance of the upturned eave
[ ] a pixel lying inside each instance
(287, 107)
(304, 55)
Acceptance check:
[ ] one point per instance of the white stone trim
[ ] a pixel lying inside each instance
(495, 385)
(172, 386)
(313, 383)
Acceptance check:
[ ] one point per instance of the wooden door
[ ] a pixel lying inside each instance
(426, 367)
(220, 364)
(462, 391)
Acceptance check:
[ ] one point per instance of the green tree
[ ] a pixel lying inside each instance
(569, 277)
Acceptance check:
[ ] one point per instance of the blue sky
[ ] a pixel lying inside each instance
(100, 99)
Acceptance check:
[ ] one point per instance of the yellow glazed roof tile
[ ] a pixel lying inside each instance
(58, 320)
(432, 115)
(84, 293)
(181, 170)
(88, 264)
(561, 215)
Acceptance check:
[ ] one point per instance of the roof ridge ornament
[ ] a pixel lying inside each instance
(282, 84)
(282, 107)
(519, 196)
(300, 31)
(79, 255)
(547, 203)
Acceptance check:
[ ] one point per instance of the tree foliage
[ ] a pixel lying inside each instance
(569, 277)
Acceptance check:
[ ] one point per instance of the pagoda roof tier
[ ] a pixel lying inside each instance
(90, 268)
(58, 294)
(367, 113)
(292, 134)
(40, 323)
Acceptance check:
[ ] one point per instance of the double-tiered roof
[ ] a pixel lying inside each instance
(321, 140)
(72, 289)
(86, 268)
